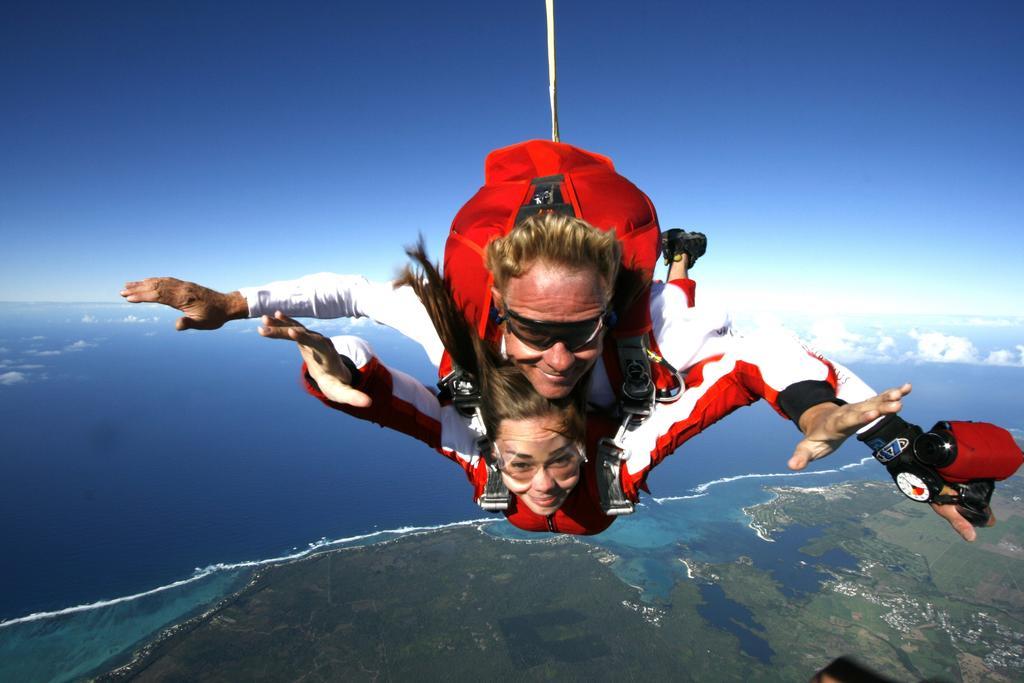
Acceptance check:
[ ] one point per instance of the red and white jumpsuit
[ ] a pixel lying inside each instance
(723, 371)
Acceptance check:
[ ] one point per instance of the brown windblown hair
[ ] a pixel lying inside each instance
(506, 394)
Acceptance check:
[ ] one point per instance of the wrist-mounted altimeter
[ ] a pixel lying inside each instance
(952, 463)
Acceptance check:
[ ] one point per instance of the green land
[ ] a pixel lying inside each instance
(459, 604)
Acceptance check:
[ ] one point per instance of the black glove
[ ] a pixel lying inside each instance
(676, 242)
(895, 443)
(972, 500)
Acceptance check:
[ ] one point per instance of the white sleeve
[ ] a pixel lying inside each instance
(687, 335)
(760, 366)
(329, 295)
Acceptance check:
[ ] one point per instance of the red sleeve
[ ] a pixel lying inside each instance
(715, 388)
(401, 403)
(689, 288)
(386, 409)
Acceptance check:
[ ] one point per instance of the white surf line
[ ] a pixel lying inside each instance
(667, 499)
(689, 571)
(701, 489)
(761, 532)
(863, 461)
(223, 566)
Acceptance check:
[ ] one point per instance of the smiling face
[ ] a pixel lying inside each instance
(538, 464)
(556, 294)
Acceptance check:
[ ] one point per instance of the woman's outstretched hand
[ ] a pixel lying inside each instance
(322, 361)
(826, 426)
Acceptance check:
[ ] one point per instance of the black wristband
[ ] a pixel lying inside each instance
(799, 396)
(885, 430)
(891, 440)
(357, 375)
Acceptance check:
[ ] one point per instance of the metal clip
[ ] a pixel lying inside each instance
(610, 456)
(496, 495)
(462, 390)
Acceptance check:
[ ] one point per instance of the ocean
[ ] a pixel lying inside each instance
(145, 472)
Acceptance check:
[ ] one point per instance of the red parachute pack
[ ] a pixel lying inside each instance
(539, 175)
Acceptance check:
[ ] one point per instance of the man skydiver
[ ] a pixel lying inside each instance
(560, 293)
(551, 454)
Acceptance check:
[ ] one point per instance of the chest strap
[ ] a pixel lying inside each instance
(496, 496)
(636, 399)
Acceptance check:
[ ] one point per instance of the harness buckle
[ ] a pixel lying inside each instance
(458, 386)
(637, 398)
(496, 495)
(610, 456)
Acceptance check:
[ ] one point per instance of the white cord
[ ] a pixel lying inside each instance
(552, 79)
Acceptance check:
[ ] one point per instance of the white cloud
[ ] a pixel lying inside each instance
(992, 322)
(79, 345)
(936, 347)
(131, 319)
(29, 366)
(33, 352)
(38, 337)
(9, 378)
(832, 338)
(343, 325)
(1005, 357)
(4, 350)
(858, 340)
(149, 334)
(1001, 357)
(88, 319)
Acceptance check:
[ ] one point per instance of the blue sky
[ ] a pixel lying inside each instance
(847, 158)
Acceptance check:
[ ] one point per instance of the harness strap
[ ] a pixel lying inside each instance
(610, 456)
(631, 365)
(496, 495)
(459, 387)
(636, 397)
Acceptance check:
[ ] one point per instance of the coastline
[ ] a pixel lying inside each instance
(137, 659)
(414, 601)
(151, 638)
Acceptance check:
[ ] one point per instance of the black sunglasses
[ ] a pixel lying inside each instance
(542, 334)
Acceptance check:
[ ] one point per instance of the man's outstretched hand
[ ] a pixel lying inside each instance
(957, 521)
(826, 426)
(322, 360)
(204, 308)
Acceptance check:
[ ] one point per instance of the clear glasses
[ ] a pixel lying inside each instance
(560, 464)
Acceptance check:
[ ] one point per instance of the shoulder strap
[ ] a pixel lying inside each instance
(496, 495)
(459, 387)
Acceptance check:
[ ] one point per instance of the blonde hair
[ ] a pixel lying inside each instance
(559, 240)
(506, 394)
